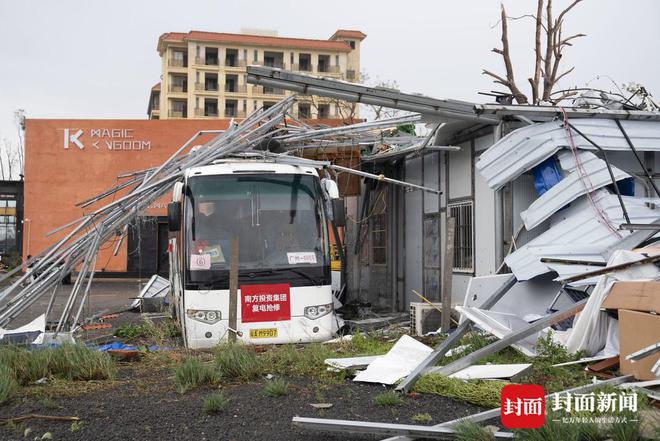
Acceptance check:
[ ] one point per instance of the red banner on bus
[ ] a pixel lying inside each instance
(265, 303)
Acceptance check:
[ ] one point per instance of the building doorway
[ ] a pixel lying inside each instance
(147, 247)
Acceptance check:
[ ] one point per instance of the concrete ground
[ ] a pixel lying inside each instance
(107, 295)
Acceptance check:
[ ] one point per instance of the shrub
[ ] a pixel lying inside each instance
(193, 373)
(76, 362)
(480, 392)
(8, 383)
(215, 403)
(469, 431)
(237, 362)
(389, 398)
(276, 387)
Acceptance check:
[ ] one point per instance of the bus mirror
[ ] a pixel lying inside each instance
(174, 216)
(338, 212)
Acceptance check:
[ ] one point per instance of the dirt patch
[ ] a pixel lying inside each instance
(148, 407)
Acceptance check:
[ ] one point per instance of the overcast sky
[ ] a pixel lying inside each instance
(98, 59)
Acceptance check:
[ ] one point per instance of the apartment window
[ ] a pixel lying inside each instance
(211, 56)
(324, 110)
(179, 58)
(256, 56)
(254, 104)
(231, 57)
(305, 62)
(244, 106)
(379, 226)
(291, 58)
(231, 107)
(268, 105)
(245, 54)
(211, 82)
(179, 109)
(179, 83)
(210, 107)
(231, 83)
(336, 60)
(196, 102)
(463, 235)
(197, 50)
(304, 110)
(324, 63)
(351, 43)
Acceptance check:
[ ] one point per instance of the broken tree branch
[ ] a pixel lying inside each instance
(34, 416)
(537, 51)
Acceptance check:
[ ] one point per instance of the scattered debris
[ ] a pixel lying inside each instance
(400, 361)
(153, 294)
(492, 371)
(321, 405)
(352, 362)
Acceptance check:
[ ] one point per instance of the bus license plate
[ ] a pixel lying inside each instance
(263, 333)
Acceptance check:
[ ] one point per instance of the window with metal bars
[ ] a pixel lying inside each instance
(379, 227)
(462, 212)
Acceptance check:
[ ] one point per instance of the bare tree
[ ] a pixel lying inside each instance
(546, 66)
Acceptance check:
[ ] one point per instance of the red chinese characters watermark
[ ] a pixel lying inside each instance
(265, 303)
(523, 406)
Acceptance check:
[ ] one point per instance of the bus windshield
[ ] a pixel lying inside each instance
(278, 218)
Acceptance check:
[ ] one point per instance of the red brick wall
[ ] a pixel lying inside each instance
(56, 178)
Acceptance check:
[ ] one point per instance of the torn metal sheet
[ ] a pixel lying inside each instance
(578, 227)
(400, 361)
(525, 148)
(500, 325)
(491, 371)
(31, 333)
(524, 298)
(157, 286)
(593, 175)
(582, 361)
(351, 362)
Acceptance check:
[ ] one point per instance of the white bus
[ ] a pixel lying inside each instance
(278, 213)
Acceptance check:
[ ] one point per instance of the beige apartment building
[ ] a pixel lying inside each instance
(204, 73)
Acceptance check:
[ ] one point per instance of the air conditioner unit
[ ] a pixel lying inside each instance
(425, 318)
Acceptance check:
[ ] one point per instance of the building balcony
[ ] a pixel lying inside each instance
(202, 113)
(203, 87)
(276, 64)
(234, 113)
(178, 89)
(177, 63)
(303, 68)
(236, 89)
(212, 62)
(177, 114)
(237, 64)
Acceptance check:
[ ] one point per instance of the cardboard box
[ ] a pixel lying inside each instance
(634, 296)
(638, 330)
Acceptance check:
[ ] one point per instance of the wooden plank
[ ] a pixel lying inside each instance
(233, 289)
(447, 275)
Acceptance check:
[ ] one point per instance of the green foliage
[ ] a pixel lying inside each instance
(406, 128)
(276, 387)
(77, 362)
(389, 398)
(469, 431)
(8, 383)
(157, 332)
(69, 362)
(480, 392)
(215, 403)
(422, 418)
(76, 426)
(193, 373)
(292, 360)
(237, 362)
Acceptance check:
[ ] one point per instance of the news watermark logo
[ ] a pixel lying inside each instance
(524, 407)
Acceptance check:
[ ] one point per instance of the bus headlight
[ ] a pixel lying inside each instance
(204, 316)
(317, 311)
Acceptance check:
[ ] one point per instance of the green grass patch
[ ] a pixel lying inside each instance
(193, 373)
(8, 384)
(235, 361)
(276, 387)
(422, 418)
(469, 431)
(295, 361)
(484, 393)
(215, 403)
(154, 331)
(389, 398)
